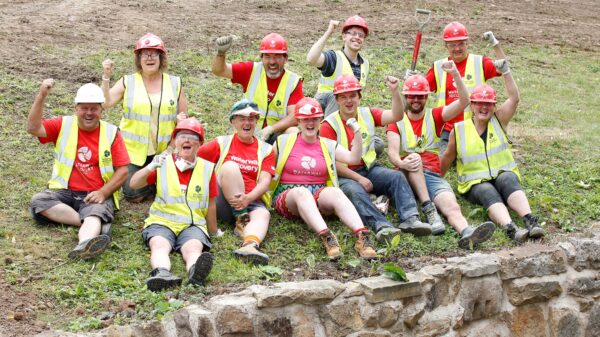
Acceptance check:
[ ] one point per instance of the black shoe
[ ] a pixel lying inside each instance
(201, 268)
(90, 248)
(516, 233)
(535, 231)
(160, 279)
(472, 236)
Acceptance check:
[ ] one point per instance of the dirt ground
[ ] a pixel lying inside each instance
(81, 25)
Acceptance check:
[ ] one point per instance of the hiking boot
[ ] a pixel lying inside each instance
(472, 236)
(364, 247)
(331, 244)
(250, 253)
(160, 279)
(535, 231)
(90, 248)
(414, 226)
(105, 228)
(240, 223)
(386, 233)
(516, 233)
(200, 269)
(433, 218)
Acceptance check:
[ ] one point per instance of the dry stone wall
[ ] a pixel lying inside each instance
(531, 291)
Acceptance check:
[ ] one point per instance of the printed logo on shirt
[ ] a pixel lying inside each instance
(84, 154)
(246, 165)
(308, 162)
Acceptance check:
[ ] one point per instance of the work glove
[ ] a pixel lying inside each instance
(489, 36)
(265, 133)
(409, 73)
(107, 66)
(218, 234)
(158, 161)
(353, 125)
(502, 66)
(223, 44)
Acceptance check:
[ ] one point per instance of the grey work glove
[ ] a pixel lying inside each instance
(489, 36)
(502, 66)
(223, 44)
(158, 161)
(353, 125)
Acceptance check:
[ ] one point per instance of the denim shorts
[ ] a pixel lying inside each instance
(176, 241)
(436, 184)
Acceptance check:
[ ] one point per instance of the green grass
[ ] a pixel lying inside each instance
(555, 142)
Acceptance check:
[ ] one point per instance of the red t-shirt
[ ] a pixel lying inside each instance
(327, 131)
(489, 71)
(245, 155)
(241, 75)
(85, 176)
(184, 179)
(431, 161)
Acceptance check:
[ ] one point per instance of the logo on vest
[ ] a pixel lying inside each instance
(106, 153)
(198, 189)
(469, 77)
(278, 103)
(172, 102)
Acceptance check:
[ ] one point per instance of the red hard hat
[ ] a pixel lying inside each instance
(455, 31)
(149, 41)
(346, 83)
(308, 107)
(416, 85)
(483, 93)
(273, 44)
(190, 124)
(357, 21)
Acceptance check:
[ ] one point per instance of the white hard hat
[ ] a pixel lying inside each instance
(89, 93)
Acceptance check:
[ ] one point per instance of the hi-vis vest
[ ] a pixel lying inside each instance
(428, 140)
(264, 149)
(137, 111)
(342, 67)
(285, 144)
(367, 129)
(178, 210)
(66, 150)
(258, 92)
(476, 161)
(472, 77)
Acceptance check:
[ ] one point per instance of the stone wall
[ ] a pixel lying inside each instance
(534, 290)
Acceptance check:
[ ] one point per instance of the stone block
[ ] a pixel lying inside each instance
(233, 314)
(201, 321)
(527, 321)
(380, 288)
(444, 289)
(148, 329)
(587, 253)
(593, 325)
(584, 283)
(307, 292)
(477, 264)
(435, 323)
(353, 289)
(530, 290)
(291, 321)
(481, 297)
(342, 318)
(532, 260)
(412, 311)
(485, 328)
(564, 322)
(370, 334)
(181, 318)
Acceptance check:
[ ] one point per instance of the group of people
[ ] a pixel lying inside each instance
(304, 157)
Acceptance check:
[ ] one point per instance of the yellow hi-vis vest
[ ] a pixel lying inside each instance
(66, 150)
(285, 144)
(478, 161)
(342, 67)
(258, 92)
(178, 210)
(137, 111)
(428, 140)
(264, 149)
(367, 129)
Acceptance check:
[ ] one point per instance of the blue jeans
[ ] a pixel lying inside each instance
(386, 181)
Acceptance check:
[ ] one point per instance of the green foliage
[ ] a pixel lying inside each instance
(394, 272)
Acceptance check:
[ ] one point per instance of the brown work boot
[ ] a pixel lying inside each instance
(240, 223)
(331, 244)
(364, 247)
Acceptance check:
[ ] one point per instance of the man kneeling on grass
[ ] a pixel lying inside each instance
(184, 211)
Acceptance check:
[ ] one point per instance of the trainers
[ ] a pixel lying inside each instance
(240, 223)
(364, 247)
(386, 233)
(516, 233)
(250, 253)
(414, 226)
(434, 219)
(160, 279)
(535, 231)
(200, 269)
(472, 236)
(90, 248)
(331, 244)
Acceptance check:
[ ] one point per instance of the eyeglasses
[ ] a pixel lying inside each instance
(145, 56)
(243, 105)
(187, 136)
(456, 45)
(355, 34)
(416, 96)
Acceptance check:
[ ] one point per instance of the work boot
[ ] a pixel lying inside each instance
(516, 233)
(414, 226)
(433, 218)
(535, 231)
(386, 233)
(200, 269)
(160, 279)
(250, 253)
(331, 244)
(105, 228)
(240, 223)
(472, 236)
(364, 247)
(90, 248)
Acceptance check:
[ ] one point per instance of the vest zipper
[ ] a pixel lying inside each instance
(158, 117)
(487, 159)
(186, 198)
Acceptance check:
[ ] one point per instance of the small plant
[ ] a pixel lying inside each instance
(394, 272)
(271, 273)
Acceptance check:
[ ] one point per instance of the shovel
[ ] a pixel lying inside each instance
(422, 17)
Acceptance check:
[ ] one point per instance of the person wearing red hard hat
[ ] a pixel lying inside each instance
(183, 215)
(474, 69)
(90, 165)
(306, 184)
(413, 149)
(267, 83)
(487, 171)
(153, 102)
(358, 180)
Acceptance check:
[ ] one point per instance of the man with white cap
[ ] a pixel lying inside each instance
(90, 165)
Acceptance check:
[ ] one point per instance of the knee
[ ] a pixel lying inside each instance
(192, 246)
(158, 244)
(229, 167)
(352, 189)
(300, 194)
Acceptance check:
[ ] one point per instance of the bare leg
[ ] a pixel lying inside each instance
(90, 228)
(416, 179)
(190, 251)
(446, 203)
(300, 202)
(333, 200)
(499, 214)
(159, 253)
(258, 225)
(62, 213)
(231, 180)
(518, 202)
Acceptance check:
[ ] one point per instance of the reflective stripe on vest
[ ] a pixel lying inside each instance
(342, 67)
(174, 209)
(472, 77)
(367, 128)
(478, 161)
(258, 92)
(427, 141)
(137, 114)
(66, 150)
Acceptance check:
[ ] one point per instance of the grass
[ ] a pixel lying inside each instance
(555, 144)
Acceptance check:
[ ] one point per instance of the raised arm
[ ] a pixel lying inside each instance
(507, 110)
(219, 66)
(113, 95)
(34, 120)
(489, 36)
(398, 102)
(315, 54)
(453, 109)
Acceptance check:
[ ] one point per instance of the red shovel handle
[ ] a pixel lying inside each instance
(413, 65)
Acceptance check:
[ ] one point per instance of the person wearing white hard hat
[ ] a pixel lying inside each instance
(273, 88)
(153, 102)
(90, 165)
